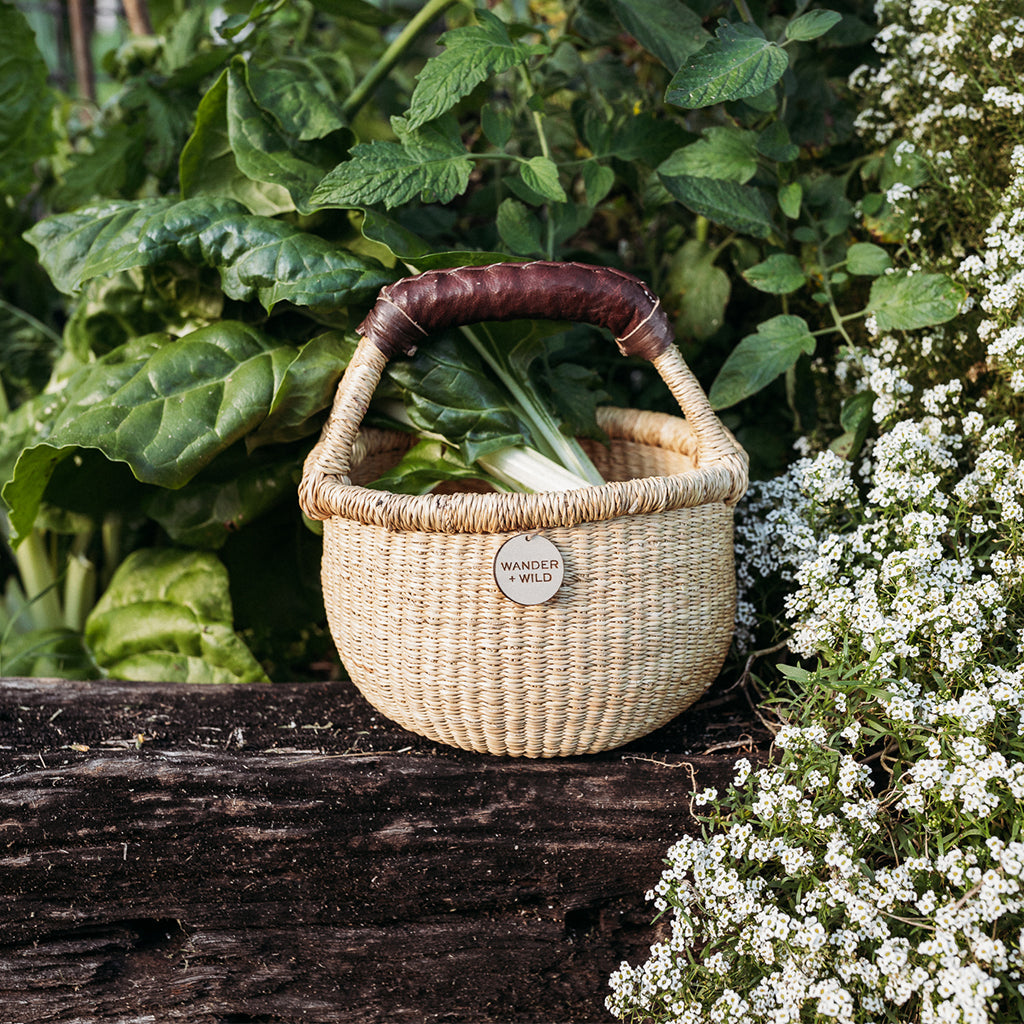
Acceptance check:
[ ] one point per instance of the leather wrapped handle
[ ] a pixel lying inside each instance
(409, 310)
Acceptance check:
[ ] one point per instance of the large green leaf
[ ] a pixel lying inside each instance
(26, 101)
(725, 153)
(267, 152)
(699, 289)
(740, 207)
(208, 165)
(306, 389)
(257, 257)
(759, 358)
(904, 301)
(429, 163)
(737, 64)
(166, 408)
(447, 391)
(666, 28)
(167, 617)
(237, 490)
(472, 54)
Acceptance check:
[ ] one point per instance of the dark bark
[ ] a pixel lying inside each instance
(231, 854)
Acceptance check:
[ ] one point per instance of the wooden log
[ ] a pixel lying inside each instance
(202, 854)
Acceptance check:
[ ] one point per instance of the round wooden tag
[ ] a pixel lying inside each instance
(528, 569)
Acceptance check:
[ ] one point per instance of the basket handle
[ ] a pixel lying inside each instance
(408, 310)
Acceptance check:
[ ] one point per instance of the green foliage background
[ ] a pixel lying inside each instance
(183, 266)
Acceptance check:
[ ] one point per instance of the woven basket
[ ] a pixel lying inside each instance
(644, 616)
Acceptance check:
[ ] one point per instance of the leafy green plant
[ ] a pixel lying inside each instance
(277, 171)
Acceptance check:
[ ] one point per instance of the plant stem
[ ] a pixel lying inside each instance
(39, 582)
(392, 55)
(741, 6)
(79, 583)
(562, 449)
(30, 319)
(538, 122)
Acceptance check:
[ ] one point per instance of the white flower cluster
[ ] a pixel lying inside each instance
(814, 929)
(875, 871)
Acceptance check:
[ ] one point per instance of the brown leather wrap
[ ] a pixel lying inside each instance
(410, 309)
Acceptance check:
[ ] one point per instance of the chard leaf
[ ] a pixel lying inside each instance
(904, 302)
(423, 467)
(740, 207)
(267, 153)
(472, 55)
(297, 95)
(257, 257)
(447, 391)
(208, 165)
(213, 506)
(759, 358)
(739, 63)
(666, 28)
(166, 408)
(26, 101)
(306, 389)
(167, 617)
(429, 163)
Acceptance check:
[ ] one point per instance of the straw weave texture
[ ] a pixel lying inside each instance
(635, 634)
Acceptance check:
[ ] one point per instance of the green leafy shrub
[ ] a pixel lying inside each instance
(220, 224)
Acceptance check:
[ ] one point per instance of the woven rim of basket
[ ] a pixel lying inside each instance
(723, 478)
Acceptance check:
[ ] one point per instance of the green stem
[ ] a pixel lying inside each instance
(393, 54)
(562, 449)
(30, 319)
(79, 583)
(741, 6)
(39, 582)
(538, 122)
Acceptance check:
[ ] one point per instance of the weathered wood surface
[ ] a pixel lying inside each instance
(216, 854)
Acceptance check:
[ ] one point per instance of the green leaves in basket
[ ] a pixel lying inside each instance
(167, 615)
(423, 467)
